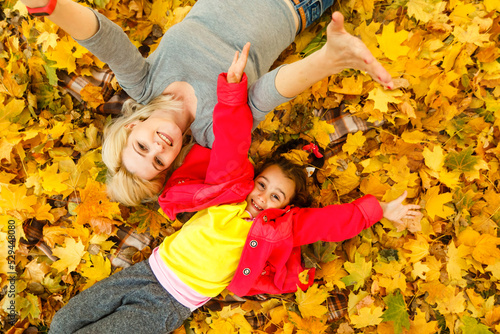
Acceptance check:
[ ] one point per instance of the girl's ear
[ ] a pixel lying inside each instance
(131, 125)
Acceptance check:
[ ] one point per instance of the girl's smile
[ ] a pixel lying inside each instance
(272, 189)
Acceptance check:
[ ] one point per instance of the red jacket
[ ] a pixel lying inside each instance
(271, 259)
(220, 175)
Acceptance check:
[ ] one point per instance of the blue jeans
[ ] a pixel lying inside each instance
(130, 301)
(310, 10)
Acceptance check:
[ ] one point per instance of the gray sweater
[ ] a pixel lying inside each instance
(197, 49)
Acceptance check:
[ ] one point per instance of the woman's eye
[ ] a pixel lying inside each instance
(142, 147)
(158, 161)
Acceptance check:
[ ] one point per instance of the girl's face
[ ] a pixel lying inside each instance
(272, 189)
(152, 146)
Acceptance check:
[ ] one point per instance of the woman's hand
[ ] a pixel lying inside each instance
(235, 71)
(396, 211)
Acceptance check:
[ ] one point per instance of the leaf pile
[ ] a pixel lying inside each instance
(437, 137)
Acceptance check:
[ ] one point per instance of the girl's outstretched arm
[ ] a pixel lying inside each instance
(78, 21)
(341, 51)
(396, 211)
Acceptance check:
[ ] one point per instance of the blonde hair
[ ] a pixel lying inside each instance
(123, 186)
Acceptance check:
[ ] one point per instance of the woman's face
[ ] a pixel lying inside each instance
(272, 189)
(152, 146)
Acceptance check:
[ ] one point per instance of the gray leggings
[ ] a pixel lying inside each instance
(130, 301)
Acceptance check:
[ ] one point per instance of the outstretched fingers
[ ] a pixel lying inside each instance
(235, 71)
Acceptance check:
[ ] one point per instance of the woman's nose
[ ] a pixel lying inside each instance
(158, 147)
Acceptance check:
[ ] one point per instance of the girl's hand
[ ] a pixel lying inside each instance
(396, 211)
(237, 68)
(35, 3)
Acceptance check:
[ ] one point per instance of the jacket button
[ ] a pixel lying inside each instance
(265, 218)
(246, 271)
(253, 243)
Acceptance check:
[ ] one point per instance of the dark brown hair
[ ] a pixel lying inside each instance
(293, 171)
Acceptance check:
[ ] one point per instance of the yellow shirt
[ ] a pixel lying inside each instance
(206, 251)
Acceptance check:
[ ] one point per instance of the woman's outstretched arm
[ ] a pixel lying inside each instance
(76, 20)
(341, 51)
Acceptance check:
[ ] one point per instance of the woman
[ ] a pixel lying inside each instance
(175, 83)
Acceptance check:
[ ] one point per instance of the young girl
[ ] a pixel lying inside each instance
(173, 88)
(250, 246)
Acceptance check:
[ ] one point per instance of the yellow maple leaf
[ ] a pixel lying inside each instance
(434, 159)
(374, 186)
(222, 326)
(35, 272)
(418, 247)
(160, 12)
(309, 302)
(179, 14)
(454, 303)
(399, 172)
(368, 34)
(491, 5)
(92, 95)
(383, 97)
(471, 35)
(450, 179)
(359, 271)
(495, 270)
(346, 180)
(270, 124)
(52, 180)
(353, 142)
(420, 324)
(265, 147)
(390, 41)
(486, 250)
(320, 131)
(65, 54)
(304, 276)
(97, 268)
(15, 201)
(298, 157)
(332, 272)
(47, 39)
(69, 256)
(419, 269)
(456, 265)
(416, 137)
(12, 109)
(367, 316)
(309, 325)
(460, 14)
(95, 203)
(435, 203)
(350, 86)
(422, 10)
(372, 165)
(42, 210)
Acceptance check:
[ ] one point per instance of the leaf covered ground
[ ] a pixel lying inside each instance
(439, 141)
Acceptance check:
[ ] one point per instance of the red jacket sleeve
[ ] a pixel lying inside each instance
(232, 126)
(335, 222)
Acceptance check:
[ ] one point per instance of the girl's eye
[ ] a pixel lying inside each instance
(261, 185)
(142, 147)
(158, 161)
(275, 197)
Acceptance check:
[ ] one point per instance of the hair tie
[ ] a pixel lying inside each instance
(311, 147)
